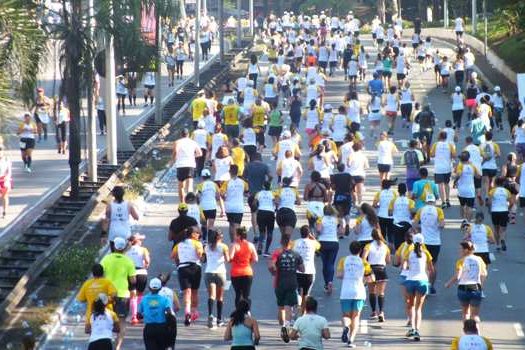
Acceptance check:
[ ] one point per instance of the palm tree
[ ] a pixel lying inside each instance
(22, 45)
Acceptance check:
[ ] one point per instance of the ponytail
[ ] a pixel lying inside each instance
(418, 250)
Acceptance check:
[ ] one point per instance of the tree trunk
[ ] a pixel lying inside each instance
(395, 9)
(381, 10)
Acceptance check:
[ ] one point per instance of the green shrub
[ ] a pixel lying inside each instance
(71, 265)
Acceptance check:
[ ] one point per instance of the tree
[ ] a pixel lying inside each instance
(22, 45)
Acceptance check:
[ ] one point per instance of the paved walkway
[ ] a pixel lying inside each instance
(51, 169)
(502, 310)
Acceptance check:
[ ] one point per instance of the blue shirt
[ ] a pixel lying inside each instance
(375, 86)
(418, 191)
(153, 308)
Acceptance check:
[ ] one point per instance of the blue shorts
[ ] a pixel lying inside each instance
(469, 297)
(402, 279)
(352, 305)
(419, 287)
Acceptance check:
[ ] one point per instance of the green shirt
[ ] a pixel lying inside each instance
(275, 118)
(387, 65)
(118, 268)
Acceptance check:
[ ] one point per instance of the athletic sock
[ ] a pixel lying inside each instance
(381, 302)
(372, 299)
(210, 307)
(133, 306)
(219, 309)
(187, 309)
(145, 98)
(29, 160)
(151, 99)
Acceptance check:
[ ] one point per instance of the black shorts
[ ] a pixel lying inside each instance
(150, 87)
(275, 131)
(379, 272)
(286, 217)
(234, 218)
(185, 173)
(426, 134)
(469, 202)
(380, 41)
(250, 150)
(500, 218)
(358, 179)
(387, 74)
(140, 283)
(415, 45)
(304, 283)
(383, 168)
(489, 172)
(342, 203)
(477, 182)
(189, 277)
(522, 202)
(122, 307)
(210, 214)
(434, 251)
(485, 257)
(101, 344)
(27, 143)
(437, 68)
(442, 178)
(323, 64)
(401, 76)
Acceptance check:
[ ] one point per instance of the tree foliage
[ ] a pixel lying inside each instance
(22, 45)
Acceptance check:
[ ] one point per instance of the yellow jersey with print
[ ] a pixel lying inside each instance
(354, 269)
(401, 208)
(233, 192)
(258, 115)
(188, 252)
(489, 152)
(208, 191)
(197, 108)
(429, 218)
(90, 291)
(499, 198)
(238, 156)
(443, 152)
(231, 114)
(470, 269)
(466, 173)
(383, 198)
(480, 234)
(287, 197)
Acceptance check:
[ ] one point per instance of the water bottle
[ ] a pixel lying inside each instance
(367, 344)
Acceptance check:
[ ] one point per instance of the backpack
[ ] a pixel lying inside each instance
(411, 159)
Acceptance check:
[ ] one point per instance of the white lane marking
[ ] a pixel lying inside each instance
(492, 257)
(503, 288)
(495, 270)
(364, 326)
(509, 306)
(519, 330)
(456, 310)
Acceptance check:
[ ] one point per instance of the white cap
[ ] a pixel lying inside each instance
(430, 197)
(120, 243)
(418, 238)
(287, 134)
(474, 75)
(205, 172)
(327, 106)
(201, 124)
(457, 89)
(103, 298)
(155, 284)
(497, 88)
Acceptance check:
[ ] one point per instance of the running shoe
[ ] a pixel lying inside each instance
(266, 254)
(448, 204)
(417, 337)
(329, 288)
(187, 320)
(211, 321)
(221, 323)
(410, 333)
(381, 318)
(351, 345)
(503, 245)
(284, 334)
(195, 316)
(373, 316)
(433, 291)
(344, 336)
(134, 321)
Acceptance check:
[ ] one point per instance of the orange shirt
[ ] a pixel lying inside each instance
(241, 262)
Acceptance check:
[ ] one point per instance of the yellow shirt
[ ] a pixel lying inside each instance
(238, 157)
(91, 289)
(197, 108)
(259, 115)
(231, 114)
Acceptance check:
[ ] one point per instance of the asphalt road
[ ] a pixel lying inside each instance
(502, 311)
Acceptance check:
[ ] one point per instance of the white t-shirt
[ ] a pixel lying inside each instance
(215, 262)
(352, 286)
(385, 150)
(306, 248)
(357, 164)
(443, 157)
(102, 326)
(329, 229)
(208, 195)
(429, 225)
(185, 153)
(457, 101)
(265, 200)
(234, 197)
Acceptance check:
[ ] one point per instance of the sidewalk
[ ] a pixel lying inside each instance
(50, 169)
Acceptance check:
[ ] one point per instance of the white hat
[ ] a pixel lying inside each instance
(457, 89)
(205, 172)
(287, 134)
(120, 243)
(474, 75)
(418, 238)
(201, 124)
(155, 284)
(430, 197)
(497, 88)
(327, 106)
(103, 298)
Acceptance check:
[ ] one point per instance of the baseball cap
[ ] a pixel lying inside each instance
(155, 284)
(327, 106)
(201, 124)
(40, 89)
(457, 89)
(204, 172)
(103, 298)
(430, 197)
(418, 238)
(183, 207)
(136, 236)
(120, 243)
(497, 88)
(287, 133)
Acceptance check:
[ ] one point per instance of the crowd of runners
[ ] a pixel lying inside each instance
(224, 169)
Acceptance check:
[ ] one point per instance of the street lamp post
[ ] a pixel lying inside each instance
(239, 25)
(474, 16)
(485, 26)
(196, 68)
(251, 18)
(92, 125)
(158, 66)
(445, 13)
(221, 31)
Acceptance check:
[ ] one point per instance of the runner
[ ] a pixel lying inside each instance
(357, 164)
(386, 151)
(233, 192)
(118, 213)
(242, 329)
(431, 221)
(310, 328)
(470, 276)
(443, 153)
(418, 263)
(471, 339)
(187, 256)
(306, 247)
(354, 271)
(141, 258)
(6, 180)
(382, 200)
(490, 153)
(500, 201)
(284, 265)
(185, 150)
(466, 173)
(102, 324)
(286, 198)
(265, 203)
(402, 209)
(242, 256)
(413, 159)
(377, 254)
(41, 111)
(217, 255)
(26, 132)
